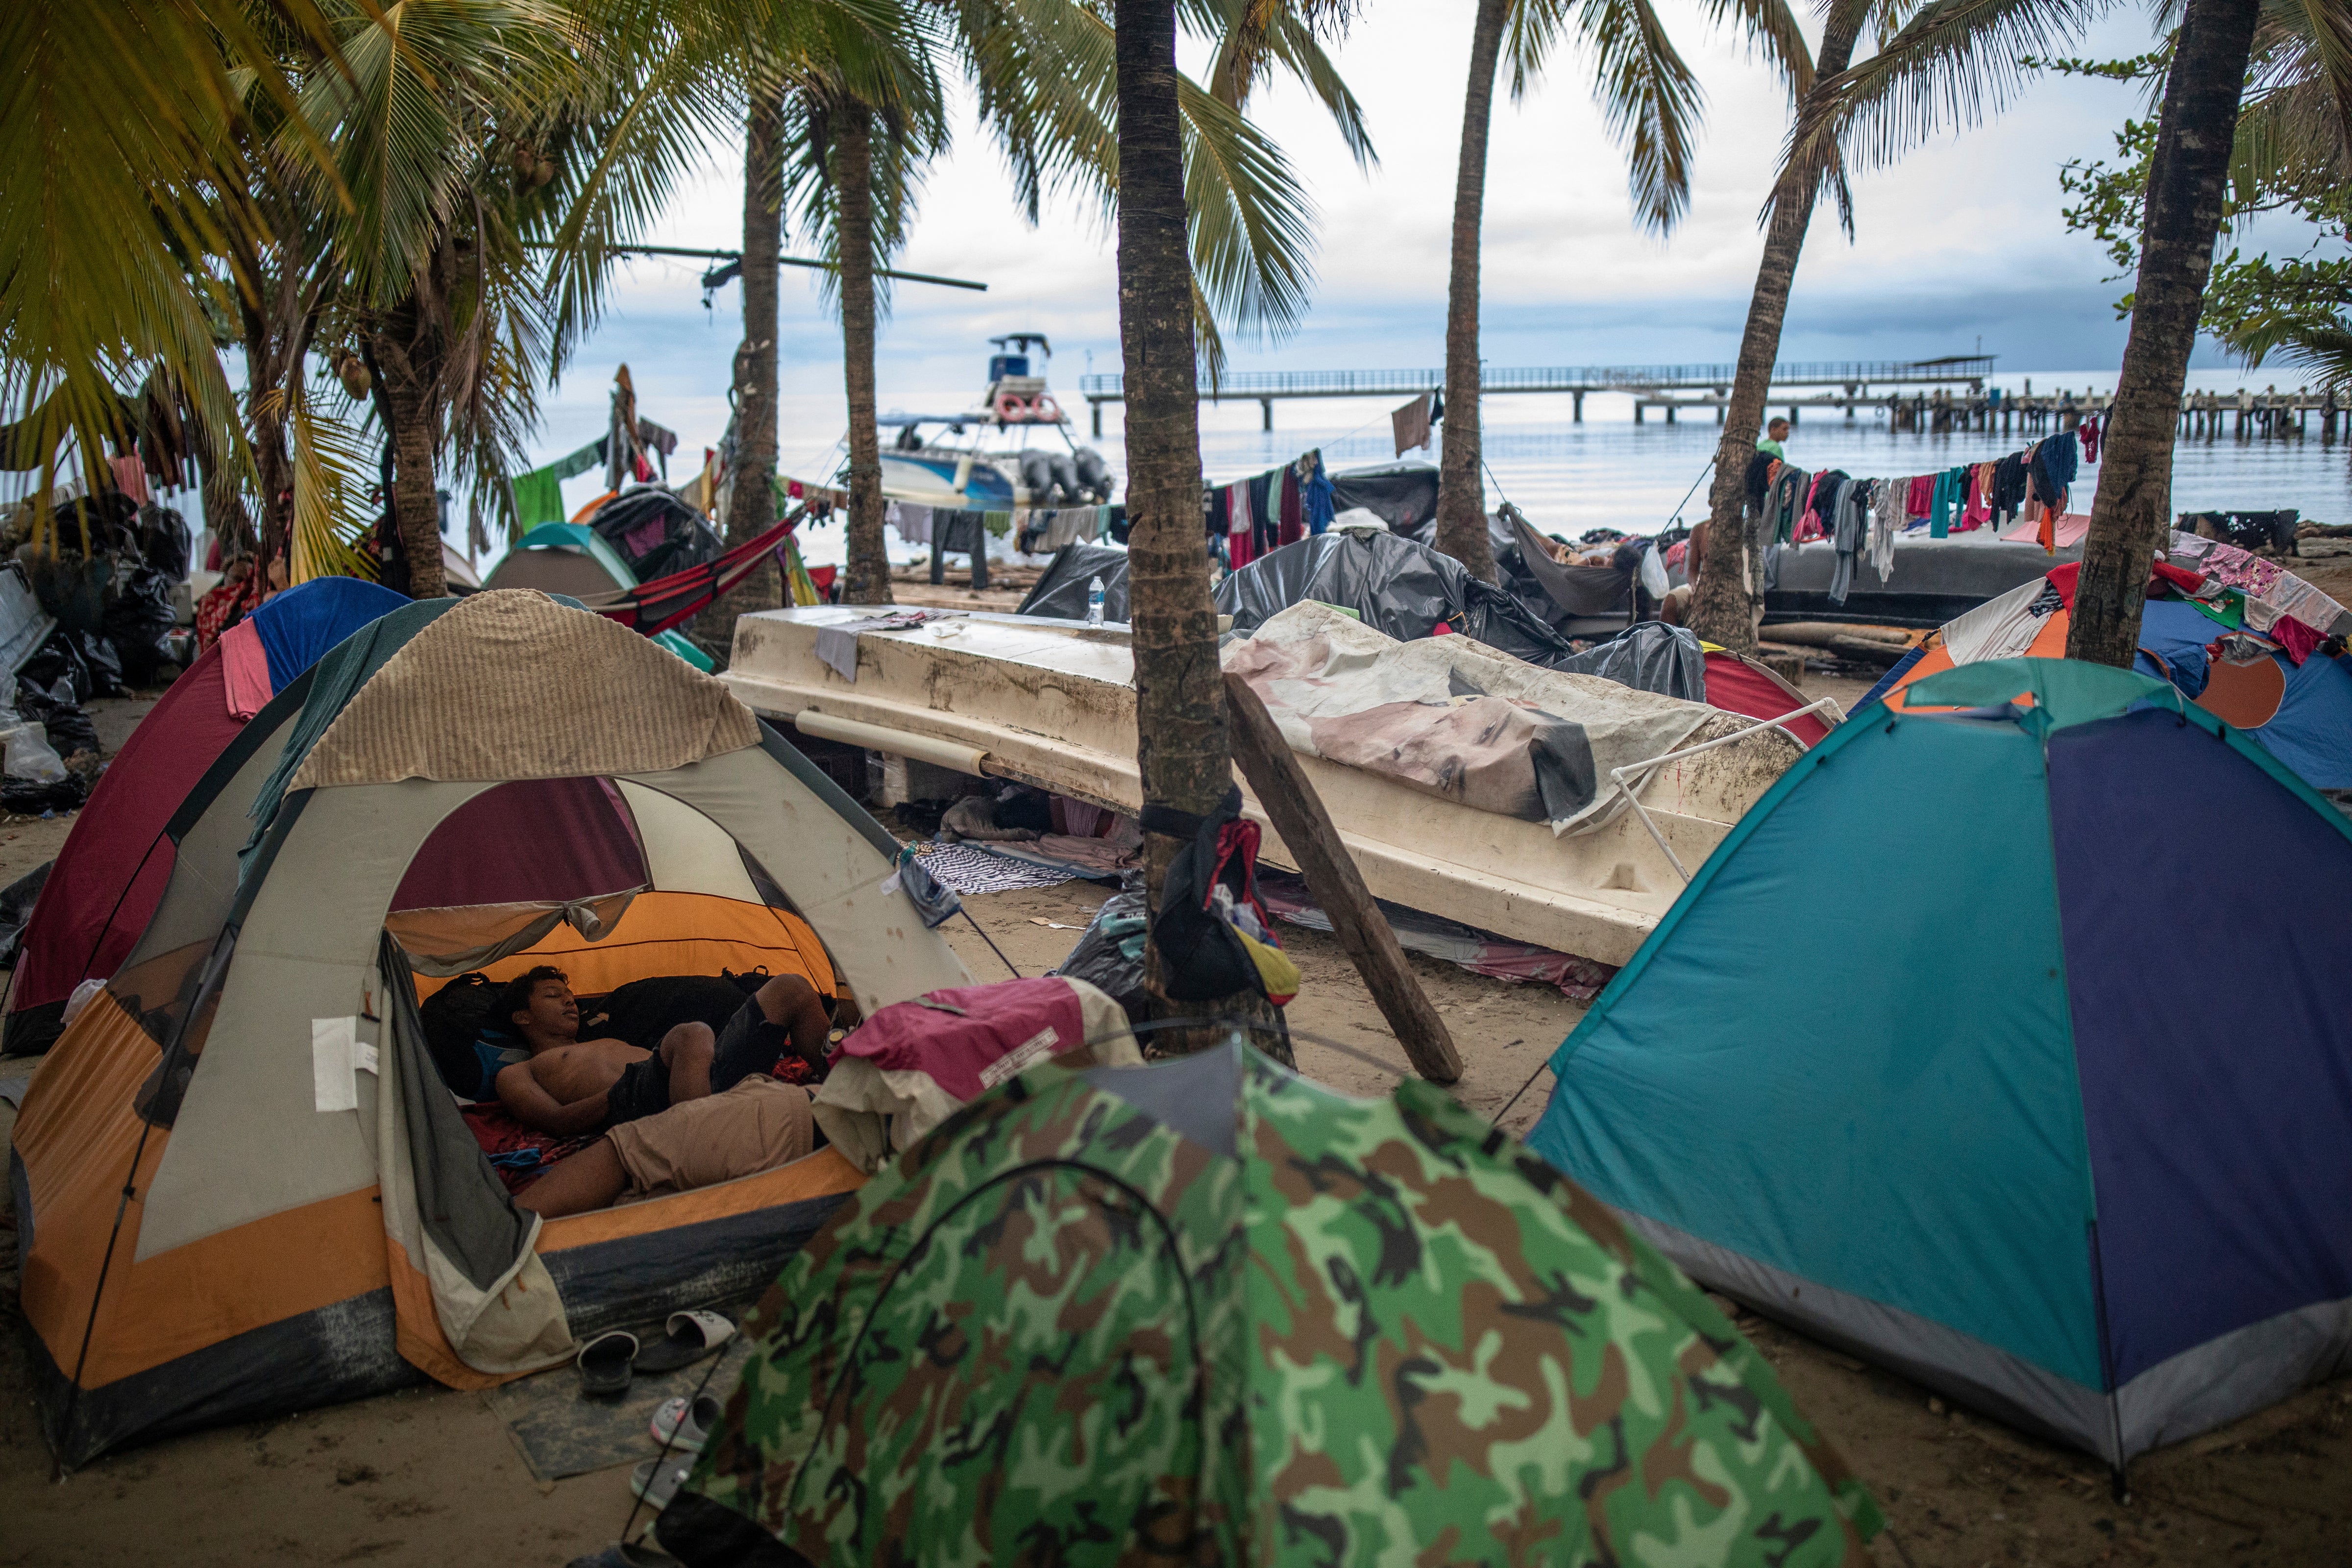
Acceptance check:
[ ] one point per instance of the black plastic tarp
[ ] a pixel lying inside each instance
(1061, 589)
(654, 531)
(1402, 495)
(1400, 587)
(1403, 589)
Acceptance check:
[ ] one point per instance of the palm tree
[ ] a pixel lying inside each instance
(2187, 178)
(1649, 95)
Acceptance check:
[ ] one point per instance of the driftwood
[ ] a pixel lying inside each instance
(1826, 633)
(1298, 814)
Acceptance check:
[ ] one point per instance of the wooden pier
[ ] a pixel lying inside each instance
(1648, 384)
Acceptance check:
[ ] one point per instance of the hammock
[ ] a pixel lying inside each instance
(654, 607)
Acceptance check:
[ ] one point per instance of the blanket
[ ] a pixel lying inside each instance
(1456, 719)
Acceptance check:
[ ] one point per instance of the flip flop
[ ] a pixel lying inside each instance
(657, 1481)
(604, 1364)
(692, 1336)
(684, 1427)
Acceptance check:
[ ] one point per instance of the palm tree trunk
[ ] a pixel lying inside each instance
(1180, 746)
(2188, 177)
(853, 162)
(416, 500)
(751, 495)
(1461, 492)
(1729, 592)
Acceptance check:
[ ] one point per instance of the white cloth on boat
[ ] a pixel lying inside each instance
(836, 646)
(1455, 718)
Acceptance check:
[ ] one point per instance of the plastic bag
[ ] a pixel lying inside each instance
(81, 997)
(53, 661)
(70, 729)
(1653, 573)
(1109, 953)
(102, 664)
(30, 756)
(140, 621)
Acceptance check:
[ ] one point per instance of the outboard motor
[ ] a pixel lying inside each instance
(1037, 476)
(1065, 479)
(1094, 474)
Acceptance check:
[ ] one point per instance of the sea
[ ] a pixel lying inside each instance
(1608, 471)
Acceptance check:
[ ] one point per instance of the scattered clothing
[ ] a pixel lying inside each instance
(836, 646)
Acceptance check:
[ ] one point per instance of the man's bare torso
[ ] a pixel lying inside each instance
(571, 1073)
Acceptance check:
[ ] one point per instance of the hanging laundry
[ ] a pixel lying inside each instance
(1977, 510)
(1886, 521)
(2090, 431)
(912, 519)
(1316, 499)
(1290, 509)
(1921, 498)
(129, 477)
(578, 462)
(2008, 487)
(538, 498)
(1412, 423)
(1849, 526)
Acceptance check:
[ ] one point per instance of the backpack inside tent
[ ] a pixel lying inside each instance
(116, 857)
(1967, 1051)
(1211, 1312)
(476, 784)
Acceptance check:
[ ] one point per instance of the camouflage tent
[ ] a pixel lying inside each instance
(1209, 1312)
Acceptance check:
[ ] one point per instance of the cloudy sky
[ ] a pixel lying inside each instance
(1962, 244)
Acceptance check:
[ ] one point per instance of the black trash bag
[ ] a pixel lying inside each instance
(164, 540)
(17, 900)
(1109, 953)
(1650, 656)
(1061, 589)
(57, 660)
(26, 798)
(140, 621)
(102, 663)
(1200, 958)
(69, 728)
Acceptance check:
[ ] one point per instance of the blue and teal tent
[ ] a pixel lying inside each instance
(571, 558)
(2011, 1047)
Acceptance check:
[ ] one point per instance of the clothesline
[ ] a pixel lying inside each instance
(1265, 511)
(1866, 514)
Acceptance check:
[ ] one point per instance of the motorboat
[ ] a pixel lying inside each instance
(1012, 448)
(1051, 704)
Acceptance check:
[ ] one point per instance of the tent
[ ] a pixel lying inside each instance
(312, 1221)
(1738, 684)
(1211, 1311)
(2303, 718)
(1959, 1053)
(117, 855)
(1060, 590)
(574, 559)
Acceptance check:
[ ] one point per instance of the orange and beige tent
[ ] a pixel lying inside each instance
(307, 1218)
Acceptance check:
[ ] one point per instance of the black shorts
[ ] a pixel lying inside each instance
(748, 1045)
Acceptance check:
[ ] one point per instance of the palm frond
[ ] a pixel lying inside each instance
(1953, 63)
(330, 496)
(1259, 37)
(1649, 97)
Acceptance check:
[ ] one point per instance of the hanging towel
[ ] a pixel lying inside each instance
(538, 498)
(578, 462)
(1412, 423)
(1922, 497)
(245, 669)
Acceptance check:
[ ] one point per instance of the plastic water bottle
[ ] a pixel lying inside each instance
(1094, 603)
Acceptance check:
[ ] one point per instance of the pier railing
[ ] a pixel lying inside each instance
(1853, 374)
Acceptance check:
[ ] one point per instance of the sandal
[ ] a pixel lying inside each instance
(657, 1481)
(692, 1336)
(684, 1426)
(605, 1363)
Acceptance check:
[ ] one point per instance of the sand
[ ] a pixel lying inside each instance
(430, 1476)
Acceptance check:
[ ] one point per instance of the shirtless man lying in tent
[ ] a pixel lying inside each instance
(701, 1109)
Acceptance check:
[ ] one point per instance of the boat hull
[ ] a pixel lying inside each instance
(1052, 703)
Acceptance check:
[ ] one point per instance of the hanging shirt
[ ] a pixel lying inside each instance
(1886, 520)
(538, 498)
(1412, 425)
(1316, 499)
(1920, 496)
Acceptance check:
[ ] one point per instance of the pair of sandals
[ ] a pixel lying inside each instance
(609, 1361)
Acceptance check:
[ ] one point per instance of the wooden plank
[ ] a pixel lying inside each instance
(1297, 813)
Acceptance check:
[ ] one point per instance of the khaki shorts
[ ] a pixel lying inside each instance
(758, 1125)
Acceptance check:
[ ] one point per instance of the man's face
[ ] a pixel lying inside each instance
(553, 1009)
(1778, 429)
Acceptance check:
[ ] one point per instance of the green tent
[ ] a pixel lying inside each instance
(1211, 1311)
(570, 558)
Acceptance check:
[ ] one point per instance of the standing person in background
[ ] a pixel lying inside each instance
(1774, 433)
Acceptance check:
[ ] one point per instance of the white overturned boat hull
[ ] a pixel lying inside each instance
(1052, 703)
